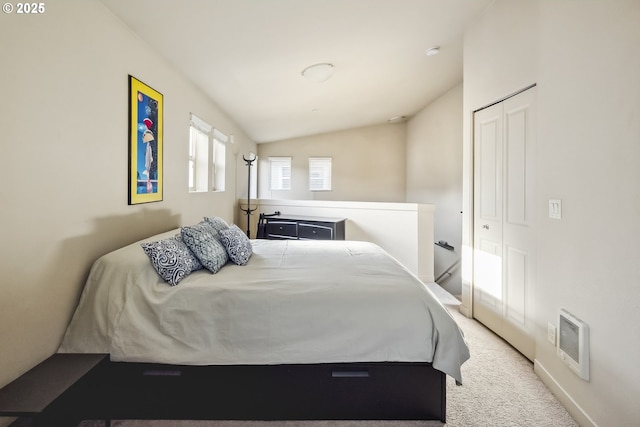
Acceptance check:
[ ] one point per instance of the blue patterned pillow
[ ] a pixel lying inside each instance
(203, 241)
(218, 223)
(237, 244)
(171, 258)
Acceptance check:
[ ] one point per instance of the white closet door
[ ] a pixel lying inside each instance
(504, 219)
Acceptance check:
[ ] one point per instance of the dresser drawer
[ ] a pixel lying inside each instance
(282, 230)
(275, 226)
(314, 231)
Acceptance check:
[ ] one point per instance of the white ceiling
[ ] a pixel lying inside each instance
(247, 55)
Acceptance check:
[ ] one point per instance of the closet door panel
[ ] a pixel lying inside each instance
(516, 168)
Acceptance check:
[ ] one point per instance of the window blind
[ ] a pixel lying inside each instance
(280, 173)
(320, 173)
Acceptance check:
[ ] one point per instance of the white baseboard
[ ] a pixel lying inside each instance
(576, 411)
(465, 310)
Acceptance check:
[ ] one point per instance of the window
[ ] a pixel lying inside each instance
(203, 167)
(280, 173)
(219, 155)
(320, 173)
(198, 154)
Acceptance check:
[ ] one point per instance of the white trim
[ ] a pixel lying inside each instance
(575, 410)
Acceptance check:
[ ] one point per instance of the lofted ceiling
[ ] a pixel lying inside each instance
(248, 55)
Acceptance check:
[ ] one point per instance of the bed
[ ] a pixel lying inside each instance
(302, 330)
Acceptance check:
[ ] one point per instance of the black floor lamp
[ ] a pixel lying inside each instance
(248, 211)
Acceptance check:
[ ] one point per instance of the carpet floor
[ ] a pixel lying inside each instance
(500, 389)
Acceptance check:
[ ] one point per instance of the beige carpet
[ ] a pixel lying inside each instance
(500, 390)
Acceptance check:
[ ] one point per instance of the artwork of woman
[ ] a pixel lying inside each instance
(147, 138)
(145, 143)
(147, 152)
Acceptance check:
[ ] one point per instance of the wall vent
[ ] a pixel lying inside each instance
(573, 343)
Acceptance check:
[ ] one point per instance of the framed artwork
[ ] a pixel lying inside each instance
(145, 143)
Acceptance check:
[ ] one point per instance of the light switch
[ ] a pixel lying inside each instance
(555, 208)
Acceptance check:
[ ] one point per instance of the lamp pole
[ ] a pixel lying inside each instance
(248, 211)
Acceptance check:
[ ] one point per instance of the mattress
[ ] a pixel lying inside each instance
(294, 302)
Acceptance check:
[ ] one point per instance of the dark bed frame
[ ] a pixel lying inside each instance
(352, 391)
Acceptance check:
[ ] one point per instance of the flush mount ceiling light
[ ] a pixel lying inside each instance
(318, 72)
(397, 119)
(432, 51)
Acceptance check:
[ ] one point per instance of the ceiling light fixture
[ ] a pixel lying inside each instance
(432, 51)
(318, 72)
(397, 119)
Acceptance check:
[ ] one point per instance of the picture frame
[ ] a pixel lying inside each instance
(145, 143)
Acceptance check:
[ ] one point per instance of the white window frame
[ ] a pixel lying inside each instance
(279, 173)
(206, 172)
(320, 173)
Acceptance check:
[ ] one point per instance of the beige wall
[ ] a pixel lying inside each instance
(583, 57)
(434, 175)
(368, 164)
(63, 167)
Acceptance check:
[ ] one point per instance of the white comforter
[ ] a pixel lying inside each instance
(294, 302)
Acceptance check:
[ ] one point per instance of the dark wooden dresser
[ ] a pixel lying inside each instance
(304, 227)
